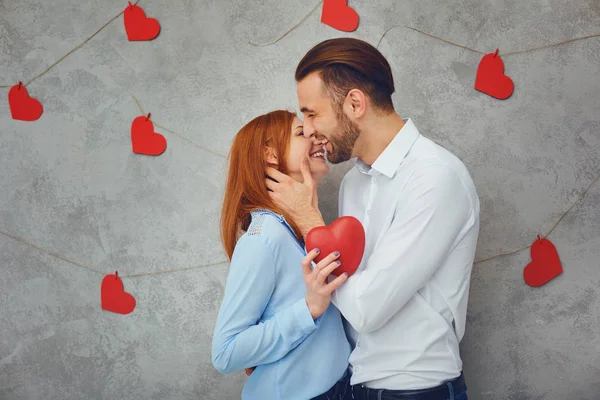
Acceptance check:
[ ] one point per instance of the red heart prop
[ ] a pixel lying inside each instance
(338, 15)
(23, 107)
(490, 78)
(112, 296)
(346, 235)
(138, 26)
(544, 265)
(143, 138)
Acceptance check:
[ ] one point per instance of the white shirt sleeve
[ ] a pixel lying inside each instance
(429, 218)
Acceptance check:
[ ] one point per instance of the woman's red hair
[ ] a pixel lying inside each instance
(246, 190)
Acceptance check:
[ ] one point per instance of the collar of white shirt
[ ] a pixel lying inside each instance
(390, 159)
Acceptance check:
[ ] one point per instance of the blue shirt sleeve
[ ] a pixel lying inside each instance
(240, 340)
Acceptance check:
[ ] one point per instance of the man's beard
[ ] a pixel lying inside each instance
(343, 140)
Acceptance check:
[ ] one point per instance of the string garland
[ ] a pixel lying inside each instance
(71, 51)
(53, 254)
(484, 53)
(549, 232)
(291, 29)
(137, 102)
(48, 69)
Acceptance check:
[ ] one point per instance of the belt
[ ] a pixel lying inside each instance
(441, 392)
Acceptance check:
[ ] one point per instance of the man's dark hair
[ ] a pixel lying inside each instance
(345, 64)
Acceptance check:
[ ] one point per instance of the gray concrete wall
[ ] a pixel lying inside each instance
(71, 185)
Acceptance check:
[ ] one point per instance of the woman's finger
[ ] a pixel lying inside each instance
(327, 260)
(325, 272)
(307, 259)
(336, 283)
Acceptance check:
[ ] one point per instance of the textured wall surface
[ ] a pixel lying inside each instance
(71, 184)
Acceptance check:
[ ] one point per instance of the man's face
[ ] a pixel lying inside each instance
(326, 120)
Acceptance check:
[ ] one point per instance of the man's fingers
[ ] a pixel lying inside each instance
(249, 371)
(275, 174)
(306, 173)
(270, 184)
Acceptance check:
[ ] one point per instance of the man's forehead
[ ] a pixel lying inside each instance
(310, 93)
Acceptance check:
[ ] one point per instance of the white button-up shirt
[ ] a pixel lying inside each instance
(405, 307)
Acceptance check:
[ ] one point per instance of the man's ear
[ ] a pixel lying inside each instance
(271, 156)
(356, 103)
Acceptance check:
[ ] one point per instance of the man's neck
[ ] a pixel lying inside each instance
(376, 134)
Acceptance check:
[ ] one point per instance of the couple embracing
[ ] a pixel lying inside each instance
(391, 330)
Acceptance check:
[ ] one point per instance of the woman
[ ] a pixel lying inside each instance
(276, 312)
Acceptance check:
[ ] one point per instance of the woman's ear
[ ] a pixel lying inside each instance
(271, 156)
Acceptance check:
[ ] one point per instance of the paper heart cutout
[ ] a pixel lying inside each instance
(112, 296)
(138, 26)
(22, 107)
(338, 15)
(545, 263)
(346, 235)
(490, 78)
(143, 138)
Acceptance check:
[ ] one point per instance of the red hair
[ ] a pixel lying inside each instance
(245, 190)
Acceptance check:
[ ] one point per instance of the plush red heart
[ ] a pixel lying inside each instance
(545, 263)
(138, 26)
(490, 78)
(338, 15)
(112, 296)
(143, 138)
(346, 235)
(23, 107)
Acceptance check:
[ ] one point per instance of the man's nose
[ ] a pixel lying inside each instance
(309, 129)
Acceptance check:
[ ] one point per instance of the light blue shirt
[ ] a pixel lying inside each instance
(264, 320)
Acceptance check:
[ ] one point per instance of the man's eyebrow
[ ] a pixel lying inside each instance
(306, 109)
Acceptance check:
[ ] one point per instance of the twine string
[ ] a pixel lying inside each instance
(73, 50)
(137, 102)
(551, 229)
(291, 29)
(53, 254)
(481, 52)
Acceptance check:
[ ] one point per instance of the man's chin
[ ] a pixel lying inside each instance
(334, 160)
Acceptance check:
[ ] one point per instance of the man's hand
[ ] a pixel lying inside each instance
(249, 371)
(299, 200)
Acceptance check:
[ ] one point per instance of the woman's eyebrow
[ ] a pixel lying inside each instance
(300, 126)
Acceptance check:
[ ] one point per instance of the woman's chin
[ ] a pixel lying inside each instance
(320, 174)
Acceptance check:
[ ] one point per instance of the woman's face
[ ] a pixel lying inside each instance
(303, 146)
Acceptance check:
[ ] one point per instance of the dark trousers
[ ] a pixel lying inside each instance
(455, 389)
(339, 391)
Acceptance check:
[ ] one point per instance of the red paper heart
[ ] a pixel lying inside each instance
(346, 235)
(143, 138)
(138, 26)
(490, 78)
(545, 263)
(23, 107)
(112, 296)
(338, 15)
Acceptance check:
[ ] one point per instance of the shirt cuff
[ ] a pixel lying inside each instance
(297, 321)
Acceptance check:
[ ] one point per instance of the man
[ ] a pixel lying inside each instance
(405, 307)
